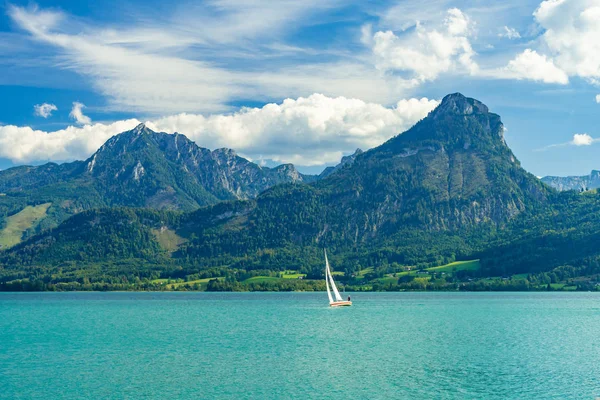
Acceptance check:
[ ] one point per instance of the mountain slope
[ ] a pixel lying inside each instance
(139, 168)
(566, 232)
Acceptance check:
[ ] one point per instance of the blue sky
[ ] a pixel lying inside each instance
(289, 81)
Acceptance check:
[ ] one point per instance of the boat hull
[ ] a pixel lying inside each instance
(340, 303)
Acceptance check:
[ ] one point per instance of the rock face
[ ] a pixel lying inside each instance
(579, 183)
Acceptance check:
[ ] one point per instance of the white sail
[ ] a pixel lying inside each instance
(326, 279)
(335, 290)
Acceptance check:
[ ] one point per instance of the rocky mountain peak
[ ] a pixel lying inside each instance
(289, 171)
(458, 104)
(352, 156)
(141, 129)
(458, 122)
(346, 160)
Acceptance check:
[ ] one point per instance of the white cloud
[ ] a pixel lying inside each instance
(244, 19)
(77, 114)
(162, 70)
(44, 110)
(457, 23)
(582, 139)
(128, 75)
(579, 139)
(537, 67)
(571, 36)
(24, 144)
(306, 131)
(426, 53)
(366, 35)
(598, 98)
(510, 33)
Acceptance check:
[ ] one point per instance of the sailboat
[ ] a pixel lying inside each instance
(339, 302)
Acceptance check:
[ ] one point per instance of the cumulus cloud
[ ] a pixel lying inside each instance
(582, 139)
(77, 114)
(306, 131)
(598, 98)
(579, 139)
(44, 110)
(509, 33)
(24, 144)
(571, 32)
(537, 67)
(426, 53)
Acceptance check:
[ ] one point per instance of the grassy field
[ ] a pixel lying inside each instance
(471, 265)
(168, 239)
(363, 272)
(202, 282)
(424, 274)
(388, 279)
(254, 279)
(17, 224)
(292, 275)
(262, 279)
(420, 276)
(561, 286)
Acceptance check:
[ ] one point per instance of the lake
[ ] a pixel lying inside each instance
(292, 345)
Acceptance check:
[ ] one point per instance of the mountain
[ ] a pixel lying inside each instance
(438, 192)
(452, 170)
(158, 170)
(346, 160)
(138, 168)
(579, 183)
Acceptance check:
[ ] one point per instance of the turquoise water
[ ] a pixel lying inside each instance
(291, 345)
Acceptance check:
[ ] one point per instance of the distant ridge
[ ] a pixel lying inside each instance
(579, 183)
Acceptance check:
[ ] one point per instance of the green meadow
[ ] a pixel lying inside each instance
(169, 284)
(17, 224)
(168, 239)
(471, 265)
